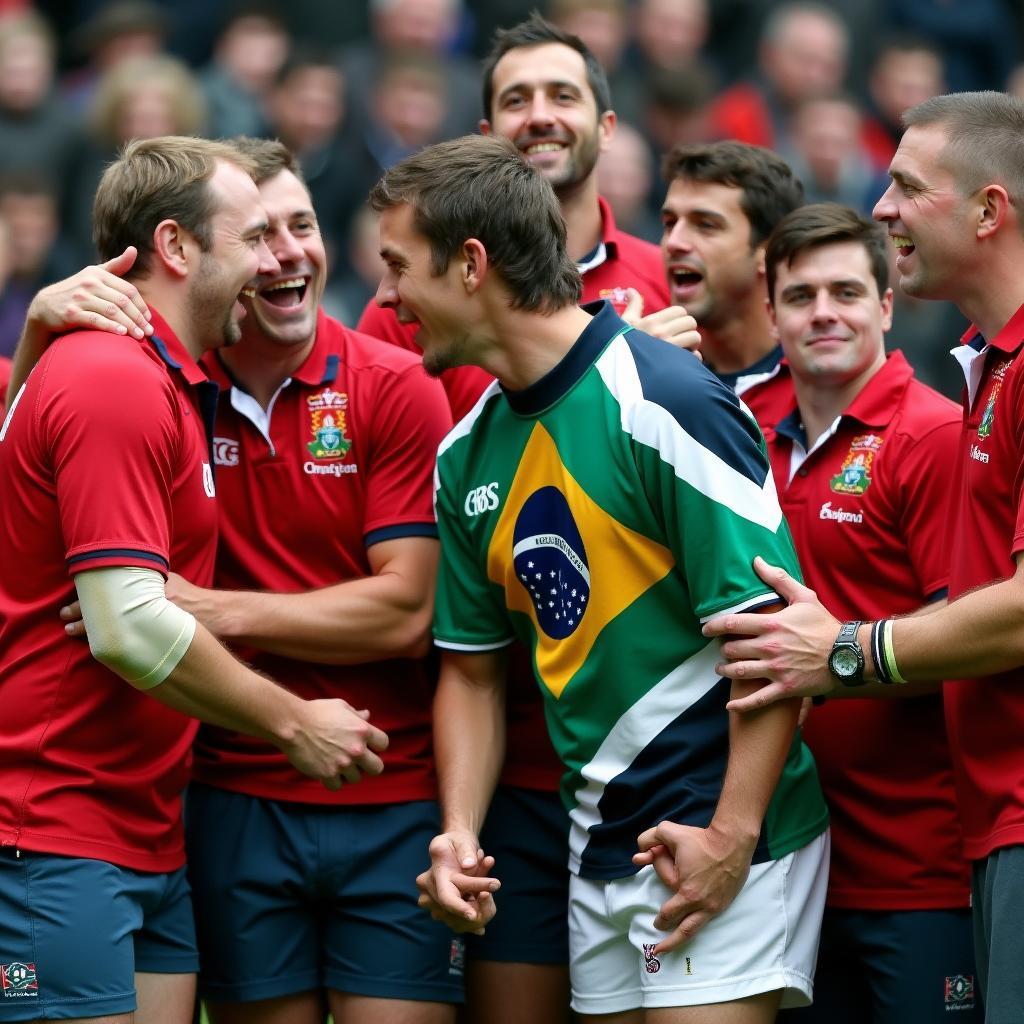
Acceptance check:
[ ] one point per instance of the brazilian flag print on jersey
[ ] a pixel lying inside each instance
(601, 516)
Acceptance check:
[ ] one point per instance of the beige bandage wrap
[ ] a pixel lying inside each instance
(133, 629)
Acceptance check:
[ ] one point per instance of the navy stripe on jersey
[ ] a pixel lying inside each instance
(604, 326)
(400, 530)
(699, 402)
(764, 365)
(128, 553)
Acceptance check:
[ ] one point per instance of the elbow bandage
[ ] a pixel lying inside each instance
(133, 629)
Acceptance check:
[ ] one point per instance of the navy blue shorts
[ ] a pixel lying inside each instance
(894, 967)
(74, 932)
(294, 897)
(527, 833)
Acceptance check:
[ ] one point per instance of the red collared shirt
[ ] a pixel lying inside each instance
(342, 460)
(106, 462)
(867, 510)
(985, 717)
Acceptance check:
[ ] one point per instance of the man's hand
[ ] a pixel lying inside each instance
(456, 888)
(789, 648)
(335, 743)
(672, 324)
(703, 868)
(96, 298)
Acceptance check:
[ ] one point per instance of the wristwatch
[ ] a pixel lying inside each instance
(846, 660)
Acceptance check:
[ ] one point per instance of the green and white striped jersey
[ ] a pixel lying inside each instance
(601, 515)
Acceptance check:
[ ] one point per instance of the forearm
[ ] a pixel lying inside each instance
(469, 747)
(758, 745)
(357, 621)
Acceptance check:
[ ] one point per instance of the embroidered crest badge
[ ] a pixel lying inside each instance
(327, 424)
(988, 417)
(854, 476)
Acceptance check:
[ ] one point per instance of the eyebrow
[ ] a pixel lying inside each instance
(803, 286)
(388, 254)
(528, 86)
(902, 178)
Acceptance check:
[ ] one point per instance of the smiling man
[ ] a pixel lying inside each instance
(105, 455)
(860, 468)
(953, 212)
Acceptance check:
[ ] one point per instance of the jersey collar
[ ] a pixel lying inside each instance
(172, 352)
(1009, 339)
(605, 325)
(609, 232)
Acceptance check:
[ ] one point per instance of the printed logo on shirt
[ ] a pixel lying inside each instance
(18, 980)
(960, 992)
(208, 487)
(457, 957)
(651, 963)
(854, 476)
(481, 499)
(327, 424)
(988, 417)
(618, 297)
(225, 451)
(839, 515)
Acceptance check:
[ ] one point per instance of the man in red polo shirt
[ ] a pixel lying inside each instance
(547, 92)
(859, 464)
(953, 213)
(723, 200)
(105, 454)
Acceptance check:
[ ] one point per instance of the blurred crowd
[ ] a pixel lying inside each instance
(354, 86)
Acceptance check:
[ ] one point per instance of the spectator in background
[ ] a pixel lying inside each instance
(116, 32)
(626, 177)
(250, 51)
(35, 255)
(429, 27)
(306, 110)
(907, 71)
(138, 98)
(36, 130)
(802, 55)
(828, 155)
(348, 294)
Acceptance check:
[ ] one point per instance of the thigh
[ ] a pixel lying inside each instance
(165, 998)
(349, 1009)
(251, 863)
(759, 1009)
(67, 932)
(527, 833)
(378, 942)
(516, 993)
(302, 1008)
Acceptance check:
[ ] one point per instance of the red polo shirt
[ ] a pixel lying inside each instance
(343, 460)
(105, 462)
(985, 716)
(867, 509)
(622, 262)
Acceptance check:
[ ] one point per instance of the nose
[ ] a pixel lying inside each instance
(285, 247)
(676, 239)
(387, 291)
(885, 208)
(539, 112)
(267, 261)
(824, 310)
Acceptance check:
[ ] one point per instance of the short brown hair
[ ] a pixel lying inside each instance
(154, 180)
(768, 187)
(986, 138)
(818, 224)
(481, 187)
(269, 157)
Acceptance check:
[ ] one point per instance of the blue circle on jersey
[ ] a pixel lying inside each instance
(551, 562)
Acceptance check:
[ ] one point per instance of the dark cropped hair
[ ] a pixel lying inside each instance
(768, 185)
(481, 187)
(818, 224)
(269, 157)
(537, 31)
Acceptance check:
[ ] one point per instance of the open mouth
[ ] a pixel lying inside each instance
(904, 244)
(286, 294)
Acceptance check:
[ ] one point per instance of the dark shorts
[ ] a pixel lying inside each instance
(894, 967)
(294, 897)
(527, 833)
(998, 886)
(74, 932)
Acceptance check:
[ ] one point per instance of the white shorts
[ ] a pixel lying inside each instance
(766, 939)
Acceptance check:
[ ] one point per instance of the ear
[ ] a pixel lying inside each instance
(887, 311)
(485, 126)
(474, 264)
(606, 129)
(759, 261)
(769, 308)
(993, 209)
(171, 243)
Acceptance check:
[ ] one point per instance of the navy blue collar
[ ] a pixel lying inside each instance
(765, 364)
(560, 380)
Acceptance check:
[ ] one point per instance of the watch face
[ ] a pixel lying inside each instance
(845, 662)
